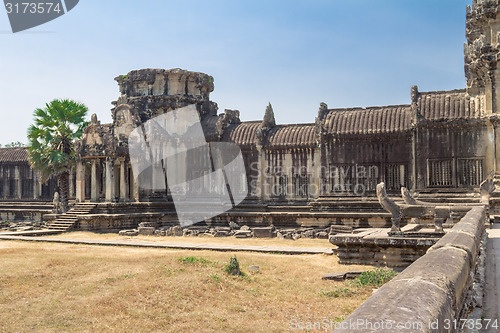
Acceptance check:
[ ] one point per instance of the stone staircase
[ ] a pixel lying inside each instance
(67, 221)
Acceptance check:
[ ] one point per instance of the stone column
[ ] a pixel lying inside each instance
(490, 144)
(71, 182)
(35, 185)
(123, 180)
(135, 187)
(110, 180)
(261, 175)
(316, 176)
(6, 185)
(94, 183)
(19, 183)
(80, 181)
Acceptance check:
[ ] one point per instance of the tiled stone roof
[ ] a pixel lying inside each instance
(373, 120)
(13, 155)
(446, 105)
(292, 135)
(243, 134)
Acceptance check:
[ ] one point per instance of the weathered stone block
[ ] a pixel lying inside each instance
(243, 234)
(128, 232)
(146, 231)
(148, 224)
(322, 235)
(334, 276)
(266, 232)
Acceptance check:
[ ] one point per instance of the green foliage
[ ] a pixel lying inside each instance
(124, 77)
(216, 277)
(14, 144)
(51, 137)
(339, 292)
(374, 278)
(193, 260)
(233, 267)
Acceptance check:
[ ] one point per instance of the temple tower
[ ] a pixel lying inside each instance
(482, 54)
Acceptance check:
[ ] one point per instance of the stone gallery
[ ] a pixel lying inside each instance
(440, 142)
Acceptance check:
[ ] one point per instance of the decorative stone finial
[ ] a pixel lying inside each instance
(323, 110)
(414, 94)
(269, 120)
(93, 119)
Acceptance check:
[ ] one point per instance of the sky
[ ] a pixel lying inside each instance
(293, 54)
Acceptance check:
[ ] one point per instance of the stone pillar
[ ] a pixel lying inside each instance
(316, 176)
(261, 176)
(19, 183)
(110, 180)
(6, 186)
(491, 146)
(123, 180)
(287, 170)
(71, 182)
(35, 185)
(80, 181)
(94, 183)
(135, 187)
(413, 174)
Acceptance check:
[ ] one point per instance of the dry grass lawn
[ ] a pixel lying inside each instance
(65, 288)
(201, 240)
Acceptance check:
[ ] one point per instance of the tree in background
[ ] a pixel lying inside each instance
(51, 141)
(14, 144)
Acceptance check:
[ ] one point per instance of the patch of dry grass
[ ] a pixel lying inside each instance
(58, 287)
(303, 242)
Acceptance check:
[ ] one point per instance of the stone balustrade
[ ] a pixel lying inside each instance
(430, 295)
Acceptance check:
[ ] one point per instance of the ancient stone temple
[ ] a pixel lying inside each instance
(441, 141)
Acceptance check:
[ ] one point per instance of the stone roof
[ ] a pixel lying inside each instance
(244, 134)
(292, 135)
(14, 155)
(446, 105)
(373, 120)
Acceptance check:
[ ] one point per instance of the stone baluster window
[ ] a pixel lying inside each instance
(26, 181)
(470, 171)
(395, 176)
(301, 185)
(440, 172)
(279, 186)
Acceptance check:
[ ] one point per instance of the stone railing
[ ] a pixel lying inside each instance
(430, 295)
(414, 209)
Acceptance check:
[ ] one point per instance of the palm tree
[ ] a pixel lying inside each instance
(51, 138)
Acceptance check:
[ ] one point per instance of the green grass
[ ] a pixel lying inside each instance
(360, 285)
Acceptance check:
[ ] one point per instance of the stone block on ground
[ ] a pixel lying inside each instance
(243, 234)
(322, 235)
(221, 233)
(334, 276)
(146, 231)
(266, 232)
(254, 269)
(132, 232)
(148, 224)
